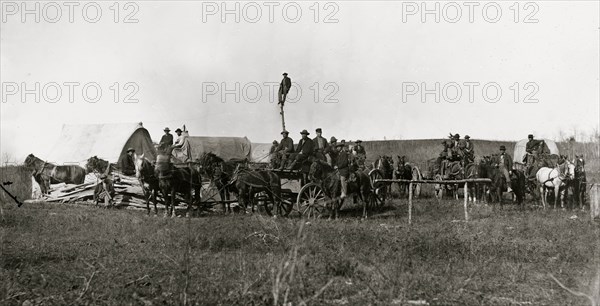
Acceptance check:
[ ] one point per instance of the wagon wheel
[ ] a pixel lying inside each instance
(379, 190)
(311, 201)
(416, 175)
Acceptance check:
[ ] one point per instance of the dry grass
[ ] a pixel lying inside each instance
(64, 254)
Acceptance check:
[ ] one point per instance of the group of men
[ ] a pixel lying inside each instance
(284, 152)
(458, 150)
(336, 154)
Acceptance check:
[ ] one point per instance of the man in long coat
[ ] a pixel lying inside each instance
(304, 150)
(505, 164)
(284, 88)
(166, 140)
(127, 164)
(343, 166)
(285, 148)
(320, 144)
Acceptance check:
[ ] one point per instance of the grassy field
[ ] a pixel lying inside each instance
(68, 254)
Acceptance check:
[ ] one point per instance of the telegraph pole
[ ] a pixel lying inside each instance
(282, 116)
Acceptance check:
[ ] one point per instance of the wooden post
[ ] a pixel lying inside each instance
(595, 201)
(410, 195)
(466, 201)
(282, 117)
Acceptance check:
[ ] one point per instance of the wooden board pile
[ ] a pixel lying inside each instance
(128, 193)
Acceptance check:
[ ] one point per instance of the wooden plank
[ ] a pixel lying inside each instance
(76, 187)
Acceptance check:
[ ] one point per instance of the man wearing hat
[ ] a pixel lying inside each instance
(505, 166)
(284, 88)
(304, 150)
(342, 164)
(359, 151)
(331, 152)
(126, 163)
(533, 144)
(180, 139)
(285, 148)
(273, 154)
(166, 140)
(455, 148)
(442, 158)
(320, 144)
(468, 151)
(182, 150)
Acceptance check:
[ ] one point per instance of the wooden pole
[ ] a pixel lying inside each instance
(282, 117)
(466, 201)
(410, 195)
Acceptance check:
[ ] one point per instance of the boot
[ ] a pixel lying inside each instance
(290, 167)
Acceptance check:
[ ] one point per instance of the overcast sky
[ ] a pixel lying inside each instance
(368, 55)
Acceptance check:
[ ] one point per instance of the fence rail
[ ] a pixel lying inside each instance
(410, 190)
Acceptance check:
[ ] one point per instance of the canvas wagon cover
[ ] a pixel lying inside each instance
(224, 147)
(520, 149)
(78, 142)
(260, 152)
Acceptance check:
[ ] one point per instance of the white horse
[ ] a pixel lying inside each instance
(552, 178)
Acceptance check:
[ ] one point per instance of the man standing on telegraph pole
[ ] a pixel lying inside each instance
(284, 88)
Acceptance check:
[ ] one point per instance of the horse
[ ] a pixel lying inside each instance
(173, 180)
(553, 178)
(220, 172)
(499, 184)
(248, 183)
(329, 180)
(579, 182)
(53, 174)
(483, 172)
(472, 172)
(453, 171)
(144, 171)
(95, 164)
(518, 184)
(385, 166)
(403, 172)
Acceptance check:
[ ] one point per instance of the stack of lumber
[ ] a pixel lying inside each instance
(128, 193)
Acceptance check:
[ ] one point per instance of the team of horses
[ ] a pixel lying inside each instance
(545, 175)
(234, 177)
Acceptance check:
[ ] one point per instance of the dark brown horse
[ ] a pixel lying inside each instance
(49, 173)
(329, 179)
(249, 183)
(403, 172)
(220, 173)
(95, 164)
(472, 172)
(144, 171)
(173, 179)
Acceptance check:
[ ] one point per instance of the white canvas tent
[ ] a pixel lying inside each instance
(519, 152)
(78, 142)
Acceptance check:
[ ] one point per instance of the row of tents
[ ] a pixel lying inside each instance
(78, 142)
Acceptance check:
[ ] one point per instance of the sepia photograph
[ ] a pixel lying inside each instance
(300, 152)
